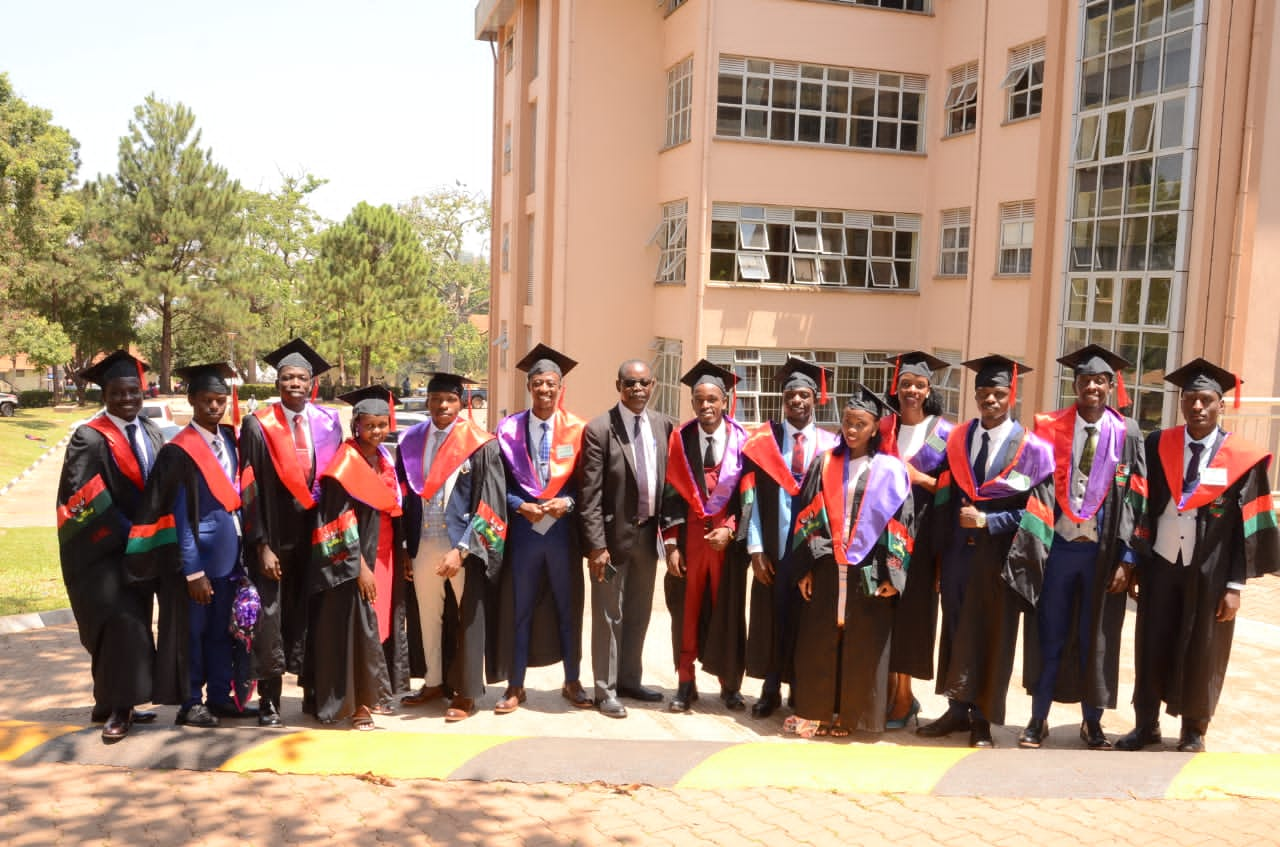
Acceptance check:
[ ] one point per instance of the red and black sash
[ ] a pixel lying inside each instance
(191, 443)
(121, 453)
(1235, 455)
(275, 432)
(362, 482)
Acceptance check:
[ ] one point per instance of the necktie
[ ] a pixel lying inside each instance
(980, 461)
(139, 452)
(219, 454)
(1090, 447)
(301, 450)
(709, 456)
(1191, 478)
(797, 456)
(437, 438)
(643, 510)
(544, 454)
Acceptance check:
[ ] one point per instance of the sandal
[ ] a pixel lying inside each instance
(804, 728)
(839, 731)
(362, 720)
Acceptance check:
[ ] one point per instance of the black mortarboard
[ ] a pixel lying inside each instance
(916, 363)
(1094, 359)
(297, 354)
(996, 371)
(705, 371)
(371, 400)
(1203, 375)
(117, 365)
(452, 383)
(867, 400)
(797, 373)
(214, 376)
(543, 358)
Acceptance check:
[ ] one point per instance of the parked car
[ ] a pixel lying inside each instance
(404, 420)
(162, 416)
(476, 397)
(8, 405)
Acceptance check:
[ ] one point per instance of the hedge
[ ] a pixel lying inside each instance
(35, 399)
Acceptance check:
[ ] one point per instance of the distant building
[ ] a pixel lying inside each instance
(22, 374)
(840, 179)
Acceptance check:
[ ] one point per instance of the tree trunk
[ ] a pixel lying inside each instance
(166, 344)
(366, 355)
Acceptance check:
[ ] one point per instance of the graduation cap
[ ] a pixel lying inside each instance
(916, 363)
(543, 358)
(797, 373)
(214, 376)
(996, 371)
(117, 365)
(1203, 375)
(452, 383)
(707, 372)
(866, 400)
(1094, 359)
(371, 400)
(297, 354)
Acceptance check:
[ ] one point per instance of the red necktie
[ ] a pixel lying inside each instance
(301, 450)
(797, 456)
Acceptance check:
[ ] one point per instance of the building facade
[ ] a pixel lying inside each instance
(841, 179)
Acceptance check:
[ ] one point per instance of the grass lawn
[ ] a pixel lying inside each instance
(29, 433)
(32, 575)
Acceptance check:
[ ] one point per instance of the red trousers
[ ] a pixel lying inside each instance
(702, 573)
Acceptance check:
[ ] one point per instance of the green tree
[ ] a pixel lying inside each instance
(171, 219)
(447, 220)
(370, 290)
(40, 340)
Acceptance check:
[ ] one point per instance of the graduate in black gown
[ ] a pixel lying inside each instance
(355, 570)
(103, 474)
(853, 552)
(1210, 525)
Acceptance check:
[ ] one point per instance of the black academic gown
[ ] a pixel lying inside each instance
(465, 628)
(845, 671)
(721, 625)
(1182, 650)
(1006, 572)
(1125, 503)
(349, 665)
(97, 504)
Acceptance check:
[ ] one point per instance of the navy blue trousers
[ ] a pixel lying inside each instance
(533, 556)
(1068, 578)
(209, 645)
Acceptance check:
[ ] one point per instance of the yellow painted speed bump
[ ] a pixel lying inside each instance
(826, 767)
(1215, 775)
(17, 737)
(390, 754)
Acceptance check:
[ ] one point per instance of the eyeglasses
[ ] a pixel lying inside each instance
(632, 382)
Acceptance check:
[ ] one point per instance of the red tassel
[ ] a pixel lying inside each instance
(1235, 404)
(142, 377)
(897, 364)
(733, 407)
(1122, 396)
(391, 406)
(235, 406)
(560, 400)
(822, 381)
(1013, 388)
(315, 389)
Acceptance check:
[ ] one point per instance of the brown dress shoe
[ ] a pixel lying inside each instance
(117, 726)
(573, 692)
(423, 695)
(511, 700)
(460, 709)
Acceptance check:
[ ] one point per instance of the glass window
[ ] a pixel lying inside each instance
(679, 102)
(962, 100)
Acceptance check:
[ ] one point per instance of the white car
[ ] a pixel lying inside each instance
(8, 405)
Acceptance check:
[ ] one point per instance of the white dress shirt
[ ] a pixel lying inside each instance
(911, 437)
(717, 438)
(999, 435)
(650, 447)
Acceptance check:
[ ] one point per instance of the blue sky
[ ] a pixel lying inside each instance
(385, 98)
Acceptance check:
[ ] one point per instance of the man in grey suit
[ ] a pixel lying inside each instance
(624, 462)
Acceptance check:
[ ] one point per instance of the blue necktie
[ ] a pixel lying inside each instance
(544, 454)
(1191, 478)
(980, 461)
(139, 453)
(643, 512)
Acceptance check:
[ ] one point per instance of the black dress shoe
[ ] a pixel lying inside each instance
(644, 695)
(117, 726)
(686, 694)
(198, 715)
(1190, 741)
(612, 707)
(1093, 737)
(269, 714)
(945, 725)
(768, 703)
(980, 735)
(733, 701)
(1034, 735)
(1139, 737)
(139, 715)
(229, 710)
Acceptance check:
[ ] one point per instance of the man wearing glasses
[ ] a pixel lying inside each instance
(623, 465)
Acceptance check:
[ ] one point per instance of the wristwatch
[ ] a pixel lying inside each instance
(981, 520)
(462, 549)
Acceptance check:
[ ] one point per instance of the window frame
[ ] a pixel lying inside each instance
(961, 103)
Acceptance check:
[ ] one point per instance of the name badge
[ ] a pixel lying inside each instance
(1214, 476)
(564, 451)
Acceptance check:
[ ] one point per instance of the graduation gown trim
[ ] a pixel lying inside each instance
(1235, 455)
(352, 472)
(1031, 463)
(121, 452)
(930, 455)
(680, 472)
(1058, 429)
(279, 441)
(464, 439)
(565, 446)
(82, 508)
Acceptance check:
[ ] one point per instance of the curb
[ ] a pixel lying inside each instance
(30, 468)
(35, 620)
